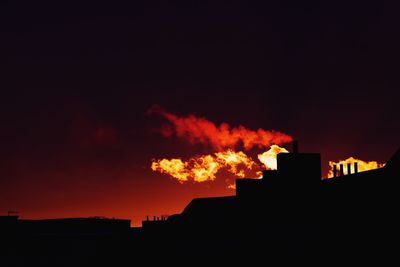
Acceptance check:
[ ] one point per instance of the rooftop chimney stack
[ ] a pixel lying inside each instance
(356, 167)
(264, 173)
(334, 170)
(295, 146)
(348, 168)
(341, 170)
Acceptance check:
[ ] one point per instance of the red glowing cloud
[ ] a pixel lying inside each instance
(202, 131)
(223, 139)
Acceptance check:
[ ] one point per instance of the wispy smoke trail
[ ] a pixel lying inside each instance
(202, 131)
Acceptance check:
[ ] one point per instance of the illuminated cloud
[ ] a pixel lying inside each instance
(198, 130)
(361, 165)
(204, 167)
(268, 158)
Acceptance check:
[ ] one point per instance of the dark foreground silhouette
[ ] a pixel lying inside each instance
(290, 216)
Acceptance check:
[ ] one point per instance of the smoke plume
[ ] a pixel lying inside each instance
(198, 130)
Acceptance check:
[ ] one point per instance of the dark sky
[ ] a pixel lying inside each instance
(78, 77)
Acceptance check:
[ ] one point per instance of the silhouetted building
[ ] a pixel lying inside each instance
(296, 182)
(8, 224)
(289, 214)
(66, 226)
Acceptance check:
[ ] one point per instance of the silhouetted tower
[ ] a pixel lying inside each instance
(299, 170)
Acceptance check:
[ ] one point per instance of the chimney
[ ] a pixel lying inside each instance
(154, 218)
(147, 218)
(356, 167)
(335, 170)
(295, 145)
(264, 173)
(348, 168)
(341, 170)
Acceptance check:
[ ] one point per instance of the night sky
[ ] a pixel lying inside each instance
(77, 80)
